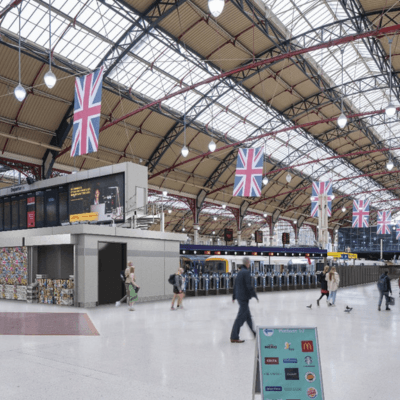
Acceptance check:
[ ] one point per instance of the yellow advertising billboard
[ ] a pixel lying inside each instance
(93, 216)
(339, 255)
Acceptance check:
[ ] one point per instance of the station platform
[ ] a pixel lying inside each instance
(153, 353)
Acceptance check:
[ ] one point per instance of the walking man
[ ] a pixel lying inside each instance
(384, 289)
(243, 291)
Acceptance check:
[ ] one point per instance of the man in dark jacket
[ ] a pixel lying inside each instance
(384, 289)
(243, 291)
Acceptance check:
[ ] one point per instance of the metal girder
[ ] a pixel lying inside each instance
(128, 40)
(9, 7)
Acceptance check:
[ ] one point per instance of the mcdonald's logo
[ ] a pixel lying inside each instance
(307, 346)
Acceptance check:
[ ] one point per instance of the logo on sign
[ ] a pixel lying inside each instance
(292, 374)
(310, 377)
(312, 393)
(290, 360)
(268, 332)
(307, 360)
(287, 346)
(271, 360)
(273, 388)
(307, 346)
(271, 346)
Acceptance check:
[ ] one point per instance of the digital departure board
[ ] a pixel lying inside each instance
(63, 206)
(1, 215)
(22, 211)
(39, 209)
(14, 213)
(7, 214)
(50, 207)
(103, 195)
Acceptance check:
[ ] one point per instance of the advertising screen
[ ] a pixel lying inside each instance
(50, 197)
(228, 235)
(22, 212)
(31, 210)
(259, 236)
(63, 206)
(103, 195)
(288, 364)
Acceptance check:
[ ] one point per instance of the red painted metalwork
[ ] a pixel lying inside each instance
(6, 9)
(378, 33)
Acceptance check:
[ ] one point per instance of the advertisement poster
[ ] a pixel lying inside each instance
(288, 364)
(103, 195)
(30, 206)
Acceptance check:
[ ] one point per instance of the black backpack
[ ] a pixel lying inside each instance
(382, 285)
(171, 279)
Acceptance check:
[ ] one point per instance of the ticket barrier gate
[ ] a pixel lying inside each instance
(267, 282)
(204, 285)
(224, 283)
(232, 282)
(299, 281)
(214, 284)
(257, 282)
(291, 281)
(277, 282)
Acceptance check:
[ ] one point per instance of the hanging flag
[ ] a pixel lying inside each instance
(249, 170)
(384, 218)
(319, 188)
(87, 106)
(360, 213)
(398, 231)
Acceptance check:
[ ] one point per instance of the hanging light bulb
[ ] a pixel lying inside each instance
(216, 7)
(389, 165)
(183, 229)
(288, 177)
(20, 92)
(49, 77)
(343, 209)
(390, 109)
(249, 224)
(215, 218)
(213, 233)
(224, 206)
(265, 215)
(333, 196)
(185, 151)
(265, 180)
(169, 211)
(342, 121)
(295, 221)
(212, 146)
(164, 193)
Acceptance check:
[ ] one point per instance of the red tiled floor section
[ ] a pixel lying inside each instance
(46, 324)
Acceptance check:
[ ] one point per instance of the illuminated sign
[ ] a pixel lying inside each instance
(207, 252)
(218, 253)
(94, 216)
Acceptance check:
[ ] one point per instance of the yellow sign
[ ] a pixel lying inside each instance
(93, 216)
(339, 255)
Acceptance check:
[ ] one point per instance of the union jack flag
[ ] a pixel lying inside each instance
(398, 231)
(249, 170)
(318, 189)
(384, 218)
(87, 106)
(360, 213)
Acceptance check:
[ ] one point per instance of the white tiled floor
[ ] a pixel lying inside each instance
(155, 354)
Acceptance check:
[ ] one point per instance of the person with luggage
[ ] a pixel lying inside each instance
(243, 291)
(324, 284)
(131, 286)
(177, 280)
(384, 288)
(333, 280)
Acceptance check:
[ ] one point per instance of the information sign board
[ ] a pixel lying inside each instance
(287, 364)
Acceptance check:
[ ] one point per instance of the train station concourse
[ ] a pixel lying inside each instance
(199, 199)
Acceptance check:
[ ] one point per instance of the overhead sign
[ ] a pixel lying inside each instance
(94, 216)
(287, 364)
(340, 255)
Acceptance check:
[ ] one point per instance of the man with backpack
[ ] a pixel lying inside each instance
(177, 281)
(384, 289)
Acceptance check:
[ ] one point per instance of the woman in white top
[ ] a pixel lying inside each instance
(131, 285)
(333, 280)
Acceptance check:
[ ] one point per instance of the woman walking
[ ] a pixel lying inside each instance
(324, 284)
(178, 289)
(132, 287)
(333, 280)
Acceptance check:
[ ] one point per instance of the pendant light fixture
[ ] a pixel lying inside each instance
(390, 110)
(288, 177)
(265, 180)
(19, 91)
(212, 146)
(185, 150)
(216, 7)
(265, 215)
(342, 120)
(49, 77)
(390, 165)
(224, 206)
(343, 209)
